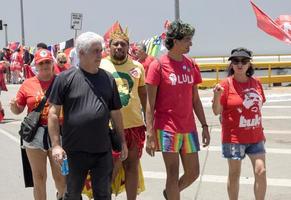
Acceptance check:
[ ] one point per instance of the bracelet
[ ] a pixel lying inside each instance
(204, 126)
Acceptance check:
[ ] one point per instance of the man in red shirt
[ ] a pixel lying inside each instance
(172, 97)
(143, 57)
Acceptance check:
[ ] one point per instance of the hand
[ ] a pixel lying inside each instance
(124, 152)
(58, 154)
(218, 89)
(205, 137)
(13, 103)
(151, 144)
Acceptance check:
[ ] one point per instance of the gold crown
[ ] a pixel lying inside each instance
(119, 34)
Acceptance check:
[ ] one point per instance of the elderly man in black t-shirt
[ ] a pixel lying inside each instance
(83, 94)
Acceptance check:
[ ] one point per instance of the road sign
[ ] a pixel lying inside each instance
(76, 21)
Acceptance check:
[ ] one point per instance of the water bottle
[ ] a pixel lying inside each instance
(65, 167)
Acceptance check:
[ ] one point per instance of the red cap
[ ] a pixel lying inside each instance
(42, 55)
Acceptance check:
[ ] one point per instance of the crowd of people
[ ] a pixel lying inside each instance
(148, 101)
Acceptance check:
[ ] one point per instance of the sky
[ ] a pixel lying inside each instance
(221, 25)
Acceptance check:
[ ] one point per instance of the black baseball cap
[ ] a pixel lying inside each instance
(240, 52)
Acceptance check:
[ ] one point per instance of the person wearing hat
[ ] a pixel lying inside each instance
(30, 94)
(238, 99)
(172, 100)
(130, 79)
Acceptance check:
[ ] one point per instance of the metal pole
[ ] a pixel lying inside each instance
(6, 35)
(76, 34)
(177, 10)
(22, 23)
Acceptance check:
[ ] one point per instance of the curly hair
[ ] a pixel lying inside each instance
(177, 30)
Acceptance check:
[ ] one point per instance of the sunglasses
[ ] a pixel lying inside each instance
(236, 61)
(63, 62)
(45, 62)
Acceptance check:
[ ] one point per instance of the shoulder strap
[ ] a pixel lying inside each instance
(228, 83)
(95, 90)
(41, 105)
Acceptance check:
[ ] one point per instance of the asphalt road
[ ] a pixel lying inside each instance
(210, 186)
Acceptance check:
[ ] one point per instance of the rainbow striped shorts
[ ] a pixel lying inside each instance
(177, 142)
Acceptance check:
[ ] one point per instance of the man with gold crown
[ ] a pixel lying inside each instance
(130, 79)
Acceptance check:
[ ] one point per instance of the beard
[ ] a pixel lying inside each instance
(119, 56)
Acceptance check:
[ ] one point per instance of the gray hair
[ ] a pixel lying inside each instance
(85, 41)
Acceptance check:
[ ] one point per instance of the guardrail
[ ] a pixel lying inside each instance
(269, 79)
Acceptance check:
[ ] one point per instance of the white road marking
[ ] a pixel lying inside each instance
(279, 107)
(277, 117)
(10, 136)
(223, 179)
(268, 150)
(205, 178)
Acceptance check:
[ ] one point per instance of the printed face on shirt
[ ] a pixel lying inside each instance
(184, 44)
(250, 116)
(119, 49)
(252, 101)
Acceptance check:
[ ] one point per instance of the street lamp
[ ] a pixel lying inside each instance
(22, 23)
(177, 10)
(6, 35)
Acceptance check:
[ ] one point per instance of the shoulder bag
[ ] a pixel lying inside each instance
(30, 123)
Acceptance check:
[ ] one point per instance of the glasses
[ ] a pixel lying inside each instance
(236, 61)
(62, 62)
(45, 62)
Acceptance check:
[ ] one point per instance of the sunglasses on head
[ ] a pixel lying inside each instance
(236, 61)
(45, 62)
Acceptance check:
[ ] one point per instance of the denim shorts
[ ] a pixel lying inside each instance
(41, 140)
(239, 151)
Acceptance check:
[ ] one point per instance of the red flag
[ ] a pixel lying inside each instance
(284, 21)
(266, 24)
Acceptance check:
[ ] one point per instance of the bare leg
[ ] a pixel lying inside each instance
(37, 159)
(131, 173)
(117, 165)
(259, 168)
(190, 162)
(60, 180)
(172, 167)
(234, 169)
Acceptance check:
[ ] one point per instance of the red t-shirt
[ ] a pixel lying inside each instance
(241, 115)
(59, 69)
(175, 81)
(146, 63)
(2, 78)
(31, 93)
(16, 62)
